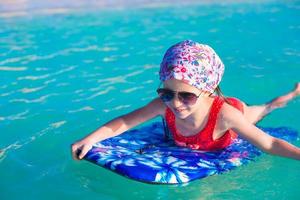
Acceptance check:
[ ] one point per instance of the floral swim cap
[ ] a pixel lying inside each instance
(195, 64)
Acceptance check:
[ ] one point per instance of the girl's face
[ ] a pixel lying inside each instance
(181, 98)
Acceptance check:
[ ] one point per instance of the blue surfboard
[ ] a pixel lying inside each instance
(146, 155)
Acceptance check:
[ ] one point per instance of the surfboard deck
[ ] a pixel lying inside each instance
(145, 155)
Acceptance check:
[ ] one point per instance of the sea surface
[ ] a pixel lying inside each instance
(65, 72)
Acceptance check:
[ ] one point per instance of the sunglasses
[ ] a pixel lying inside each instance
(167, 95)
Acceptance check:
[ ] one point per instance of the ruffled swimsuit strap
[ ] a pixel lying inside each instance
(213, 114)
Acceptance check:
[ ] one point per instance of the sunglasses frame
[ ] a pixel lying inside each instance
(179, 95)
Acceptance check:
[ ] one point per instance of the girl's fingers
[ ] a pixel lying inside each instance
(75, 151)
(84, 151)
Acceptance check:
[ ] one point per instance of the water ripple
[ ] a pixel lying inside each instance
(38, 100)
(57, 124)
(96, 94)
(30, 90)
(33, 78)
(112, 81)
(14, 60)
(86, 75)
(9, 68)
(109, 59)
(148, 82)
(31, 58)
(7, 93)
(86, 108)
(118, 79)
(50, 81)
(132, 89)
(117, 108)
(17, 116)
(291, 52)
(101, 92)
(18, 144)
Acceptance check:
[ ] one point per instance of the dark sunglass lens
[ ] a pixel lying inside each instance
(187, 97)
(165, 95)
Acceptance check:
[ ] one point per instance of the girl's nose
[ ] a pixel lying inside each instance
(176, 102)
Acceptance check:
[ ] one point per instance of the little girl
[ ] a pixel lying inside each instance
(196, 113)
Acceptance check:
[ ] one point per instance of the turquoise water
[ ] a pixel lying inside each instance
(63, 75)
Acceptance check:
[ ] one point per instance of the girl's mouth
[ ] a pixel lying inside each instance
(178, 110)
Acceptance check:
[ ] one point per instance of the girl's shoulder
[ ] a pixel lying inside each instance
(231, 112)
(236, 103)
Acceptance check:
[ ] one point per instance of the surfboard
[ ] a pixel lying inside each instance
(147, 155)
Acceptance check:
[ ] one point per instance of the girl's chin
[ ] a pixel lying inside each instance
(181, 114)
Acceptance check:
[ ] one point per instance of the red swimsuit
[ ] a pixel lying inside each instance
(204, 139)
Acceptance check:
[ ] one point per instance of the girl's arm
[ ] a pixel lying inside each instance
(235, 120)
(118, 126)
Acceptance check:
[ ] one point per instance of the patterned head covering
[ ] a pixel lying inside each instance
(195, 64)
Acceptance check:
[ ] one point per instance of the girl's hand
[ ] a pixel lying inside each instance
(79, 149)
